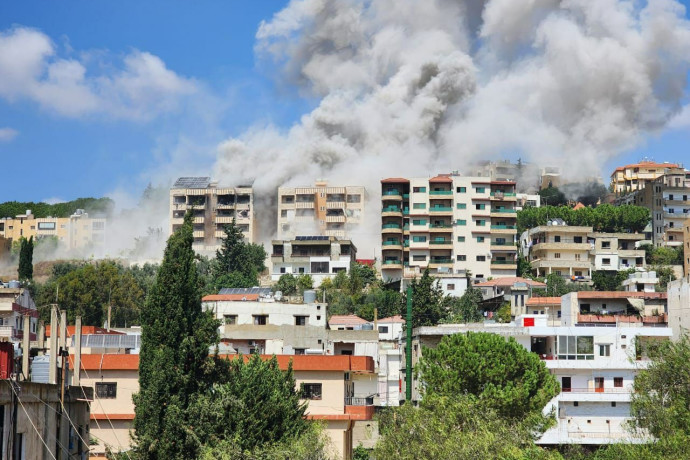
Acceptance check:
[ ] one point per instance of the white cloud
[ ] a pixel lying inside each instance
(7, 134)
(140, 87)
(53, 200)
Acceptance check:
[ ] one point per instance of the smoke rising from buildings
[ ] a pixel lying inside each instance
(420, 87)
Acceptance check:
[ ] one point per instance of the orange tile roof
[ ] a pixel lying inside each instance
(107, 362)
(393, 180)
(92, 362)
(441, 178)
(230, 297)
(112, 416)
(346, 320)
(86, 330)
(509, 281)
(578, 206)
(620, 295)
(647, 164)
(533, 301)
(503, 182)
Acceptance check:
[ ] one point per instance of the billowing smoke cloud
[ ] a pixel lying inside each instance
(419, 87)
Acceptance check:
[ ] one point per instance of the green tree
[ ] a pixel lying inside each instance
(466, 309)
(287, 284)
(238, 264)
(174, 365)
(610, 280)
(429, 303)
(497, 373)
(551, 196)
(26, 257)
(665, 275)
(454, 427)
(304, 283)
(661, 393)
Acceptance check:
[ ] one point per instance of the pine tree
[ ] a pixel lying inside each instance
(26, 255)
(237, 263)
(429, 303)
(174, 365)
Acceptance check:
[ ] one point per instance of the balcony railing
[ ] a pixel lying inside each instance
(397, 226)
(392, 192)
(506, 211)
(500, 194)
(503, 227)
(440, 226)
(441, 242)
(392, 262)
(502, 243)
(391, 209)
(503, 262)
(441, 192)
(392, 243)
(619, 390)
(356, 401)
(441, 209)
(440, 260)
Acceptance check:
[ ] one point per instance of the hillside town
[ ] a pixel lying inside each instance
(585, 288)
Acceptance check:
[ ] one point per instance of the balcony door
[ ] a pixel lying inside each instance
(566, 384)
(599, 384)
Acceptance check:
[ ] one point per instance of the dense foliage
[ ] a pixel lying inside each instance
(238, 264)
(610, 280)
(491, 371)
(466, 309)
(95, 206)
(663, 255)
(603, 218)
(429, 304)
(26, 259)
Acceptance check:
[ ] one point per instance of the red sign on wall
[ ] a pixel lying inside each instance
(526, 322)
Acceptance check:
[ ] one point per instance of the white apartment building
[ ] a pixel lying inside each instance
(679, 306)
(459, 227)
(214, 207)
(15, 303)
(594, 353)
(617, 251)
(319, 210)
(515, 290)
(320, 257)
(390, 359)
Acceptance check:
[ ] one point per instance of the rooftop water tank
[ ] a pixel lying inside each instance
(310, 296)
(40, 367)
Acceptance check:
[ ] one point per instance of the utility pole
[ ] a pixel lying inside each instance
(408, 347)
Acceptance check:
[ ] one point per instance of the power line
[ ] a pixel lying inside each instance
(9, 382)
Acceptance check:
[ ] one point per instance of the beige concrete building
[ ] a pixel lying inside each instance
(459, 227)
(616, 251)
(634, 177)
(679, 306)
(560, 249)
(319, 210)
(327, 383)
(213, 208)
(668, 201)
(78, 231)
(320, 257)
(516, 290)
(686, 242)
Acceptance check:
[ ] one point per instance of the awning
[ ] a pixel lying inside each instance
(638, 304)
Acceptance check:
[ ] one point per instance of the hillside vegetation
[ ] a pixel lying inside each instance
(95, 206)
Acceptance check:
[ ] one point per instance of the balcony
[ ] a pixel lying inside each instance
(503, 262)
(502, 247)
(505, 213)
(441, 210)
(355, 401)
(440, 192)
(391, 228)
(391, 245)
(613, 319)
(391, 211)
(391, 264)
(392, 195)
(440, 228)
(440, 261)
(503, 196)
(501, 228)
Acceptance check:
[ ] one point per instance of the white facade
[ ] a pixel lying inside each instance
(641, 282)
(320, 259)
(15, 303)
(679, 306)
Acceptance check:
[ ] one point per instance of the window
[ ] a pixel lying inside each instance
(283, 213)
(301, 320)
(230, 319)
(480, 189)
(450, 287)
(311, 391)
(419, 222)
(383, 329)
(419, 189)
(605, 245)
(462, 206)
(576, 403)
(613, 403)
(480, 239)
(282, 269)
(461, 239)
(421, 258)
(577, 256)
(618, 382)
(419, 206)
(481, 258)
(300, 351)
(557, 255)
(605, 350)
(461, 189)
(557, 239)
(575, 347)
(461, 222)
(479, 206)
(260, 320)
(577, 239)
(606, 261)
(106, 390)
(419, 239)
(480, 222)
(462, 258)
(51, 225)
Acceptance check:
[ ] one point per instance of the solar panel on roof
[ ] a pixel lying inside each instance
(245, 291)
(192, 182)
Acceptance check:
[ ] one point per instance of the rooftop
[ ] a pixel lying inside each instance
(509, 281)
(346, 320)
(392, 319)
(534, 301)
(230, 297)
(192, 182)
(620, 295)
(86, 330)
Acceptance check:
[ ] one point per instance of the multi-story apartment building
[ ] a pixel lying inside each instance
(634, 177)
(78, 231)
(15, 303)
(322, 210)
(459, 227)
(525, 200)
(320, 257)
(525, 175)
(213, 207)
(686, 243)
(594, 353)
(679, 306)
(574, 252)
(668, 201)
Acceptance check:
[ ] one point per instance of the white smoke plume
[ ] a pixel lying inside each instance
(426, 86)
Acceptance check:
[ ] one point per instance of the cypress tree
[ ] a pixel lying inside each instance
(26, 254)
(174, 362)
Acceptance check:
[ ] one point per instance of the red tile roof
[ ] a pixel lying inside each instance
(392, 319)
(647, 164)
(445, 178)
(509, 281)
(112, 416)
(107, 362)
(395, 180)
(230, 297)
(534, 301)
(346, 320)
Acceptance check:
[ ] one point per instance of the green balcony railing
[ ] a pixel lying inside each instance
(406, 227)
(503, 227)
(441, 192)
(406, 195)
(392, 243)
(506, 211)
(503, 262)
(498, 193)
(392, 226)
(440, 242)
(441, 208)
(392, 192)
(502, 243)
(406, 211)
(406, 243)
(440, 260)
(440, 226)
(392, 262)
(391, 209)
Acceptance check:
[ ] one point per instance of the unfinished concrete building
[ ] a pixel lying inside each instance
(213, 207)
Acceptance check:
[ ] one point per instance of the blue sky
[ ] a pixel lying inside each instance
(203, 54)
